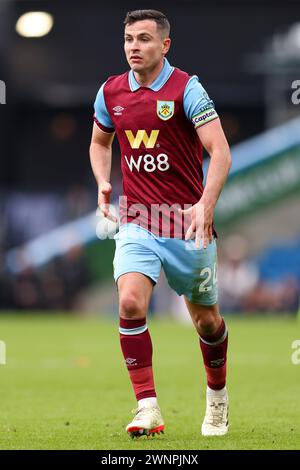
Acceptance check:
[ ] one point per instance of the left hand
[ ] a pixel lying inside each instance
(201, 226)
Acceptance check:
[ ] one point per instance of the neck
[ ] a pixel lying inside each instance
(145, 78)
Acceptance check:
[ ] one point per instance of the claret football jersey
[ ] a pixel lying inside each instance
(161, 154)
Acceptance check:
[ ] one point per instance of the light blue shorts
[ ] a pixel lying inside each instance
(189, 271)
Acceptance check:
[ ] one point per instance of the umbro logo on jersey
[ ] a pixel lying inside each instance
(118, 110)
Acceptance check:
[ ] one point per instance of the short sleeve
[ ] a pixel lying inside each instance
(198, 107)
(101, 116)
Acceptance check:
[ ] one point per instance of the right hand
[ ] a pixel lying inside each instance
(104, 191)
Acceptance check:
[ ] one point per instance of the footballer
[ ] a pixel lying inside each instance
(163, 117)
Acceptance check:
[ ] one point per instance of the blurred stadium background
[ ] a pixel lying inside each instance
(246, 55)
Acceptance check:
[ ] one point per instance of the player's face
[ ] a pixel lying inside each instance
(144, 45)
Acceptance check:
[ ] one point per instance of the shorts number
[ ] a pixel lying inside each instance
(211, 274)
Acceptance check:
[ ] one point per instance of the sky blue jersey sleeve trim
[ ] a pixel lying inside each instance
(101, 112)
(195, 98)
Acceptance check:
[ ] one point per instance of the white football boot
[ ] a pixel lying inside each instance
(215, 422)
(147, 421)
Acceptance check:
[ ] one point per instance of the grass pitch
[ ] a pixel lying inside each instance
(65, 385)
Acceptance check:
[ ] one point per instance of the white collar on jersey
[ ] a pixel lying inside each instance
(158, 83)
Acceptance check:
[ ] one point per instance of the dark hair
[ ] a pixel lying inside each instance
(160, 19)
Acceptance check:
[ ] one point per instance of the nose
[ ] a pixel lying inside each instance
(134, 46)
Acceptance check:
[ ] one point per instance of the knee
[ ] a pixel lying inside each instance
(131, 306)
(207, 322)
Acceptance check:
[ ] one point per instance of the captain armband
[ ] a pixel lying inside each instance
(204, 117)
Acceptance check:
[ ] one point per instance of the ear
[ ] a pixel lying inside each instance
(166, 45)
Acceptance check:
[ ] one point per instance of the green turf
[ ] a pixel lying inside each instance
(65, 385)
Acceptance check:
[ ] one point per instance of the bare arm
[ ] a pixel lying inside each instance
(214, 141)
(100, 156)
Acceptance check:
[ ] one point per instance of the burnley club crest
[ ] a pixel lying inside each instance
(165, 109)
